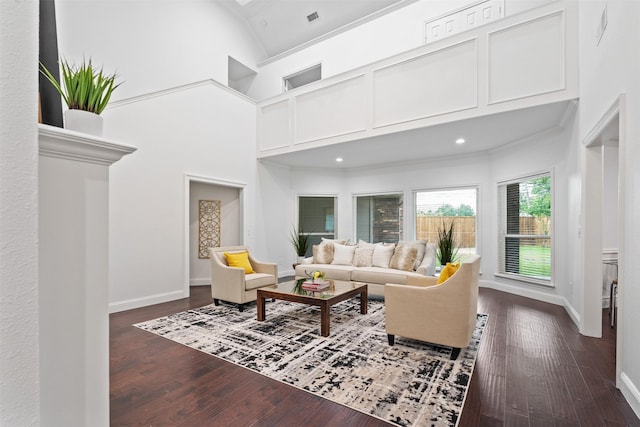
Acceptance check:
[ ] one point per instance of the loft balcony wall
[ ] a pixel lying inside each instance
(399, 31)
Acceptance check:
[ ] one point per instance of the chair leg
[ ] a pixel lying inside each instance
(455, 351)
(241, 307)
(216, 302)
(392, 339)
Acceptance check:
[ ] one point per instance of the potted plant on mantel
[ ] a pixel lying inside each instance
(86, 91)
(446, 250)
(300, 242)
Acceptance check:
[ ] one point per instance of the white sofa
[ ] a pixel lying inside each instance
(375, 276)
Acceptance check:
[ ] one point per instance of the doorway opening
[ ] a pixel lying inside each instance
(603, 221)
(225, 226)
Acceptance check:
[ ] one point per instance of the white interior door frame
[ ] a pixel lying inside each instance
(188, 179)
(592, 212)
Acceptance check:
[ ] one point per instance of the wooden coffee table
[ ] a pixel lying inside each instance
(291, 291)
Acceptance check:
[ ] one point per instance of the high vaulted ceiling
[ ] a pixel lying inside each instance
(280, 25)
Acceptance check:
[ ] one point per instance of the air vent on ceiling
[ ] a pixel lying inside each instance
(312, 17)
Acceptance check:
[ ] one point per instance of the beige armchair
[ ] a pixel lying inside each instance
(442, 314)
(232, 284)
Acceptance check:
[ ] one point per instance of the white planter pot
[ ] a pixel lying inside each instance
(83, 121)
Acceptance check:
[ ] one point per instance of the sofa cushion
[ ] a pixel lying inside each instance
(331, 271)
(258, 280)
(382, 254)
(240, 260)
(404, 257)
(381, 275)
(323, 253)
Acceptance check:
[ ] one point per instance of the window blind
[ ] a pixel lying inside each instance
(524, 228)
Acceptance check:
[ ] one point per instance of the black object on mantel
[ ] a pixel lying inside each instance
(50, 101)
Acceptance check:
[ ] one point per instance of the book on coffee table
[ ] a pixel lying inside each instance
(312, 286)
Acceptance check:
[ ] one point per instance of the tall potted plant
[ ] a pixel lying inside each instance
(300, 242)
(446, 250)
(86, 91)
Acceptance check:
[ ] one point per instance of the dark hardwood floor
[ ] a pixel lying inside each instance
(533, 369)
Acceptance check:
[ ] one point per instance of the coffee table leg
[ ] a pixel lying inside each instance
(260, 302)
(364, 301)
(324, 319)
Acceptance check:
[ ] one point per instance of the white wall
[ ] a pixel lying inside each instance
(19, 301)
(547, 152)
(230, 217)
(155, 45)
(204, 130)
(396, 32)
(608, 70)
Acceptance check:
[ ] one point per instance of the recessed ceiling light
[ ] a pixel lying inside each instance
(339, 159)
(460, 141)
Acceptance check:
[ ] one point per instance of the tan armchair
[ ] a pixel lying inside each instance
(232, 284)
(444, 314)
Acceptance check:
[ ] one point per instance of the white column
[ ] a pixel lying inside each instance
(19, 370)
(74, 270)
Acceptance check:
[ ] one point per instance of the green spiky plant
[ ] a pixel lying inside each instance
(83, 87)
(446, 250)
(300, 241)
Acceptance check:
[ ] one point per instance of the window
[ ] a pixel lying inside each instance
(436, 209)
(316, 217)
(524, 229)
(379, 218)
(301, 78)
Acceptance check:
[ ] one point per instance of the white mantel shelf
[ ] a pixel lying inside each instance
(66, 144)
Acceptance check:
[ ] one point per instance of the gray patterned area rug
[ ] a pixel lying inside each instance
(410, 384)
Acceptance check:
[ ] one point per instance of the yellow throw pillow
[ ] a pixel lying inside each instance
(448, 271)
(239, 259)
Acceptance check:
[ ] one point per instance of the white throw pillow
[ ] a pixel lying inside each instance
(363, 244)
(382, 254)
(342, 254)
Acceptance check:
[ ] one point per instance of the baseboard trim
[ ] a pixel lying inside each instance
(200, 282)
(286, 273)
(115, 307)
(533, 294)
(524, 292)
(572, 312)
(630, 392)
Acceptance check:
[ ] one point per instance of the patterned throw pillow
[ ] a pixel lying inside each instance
(404, 257)
(323, 253)
(363, 256)
(420, 245)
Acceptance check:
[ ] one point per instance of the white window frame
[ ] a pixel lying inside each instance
(335, 213)
(478, 215)
(400, 193)
(502, 235)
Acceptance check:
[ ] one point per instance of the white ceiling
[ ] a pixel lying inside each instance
(280, 25)
(481, 134)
